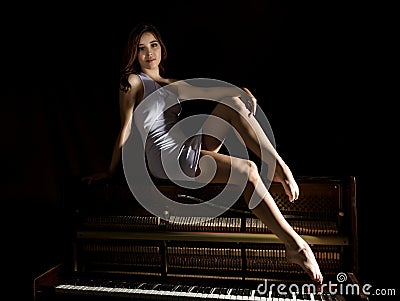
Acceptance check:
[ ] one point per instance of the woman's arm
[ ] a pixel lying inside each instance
(186, 90)
(127, 101)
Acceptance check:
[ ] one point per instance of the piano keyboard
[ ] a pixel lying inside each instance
(119, 289)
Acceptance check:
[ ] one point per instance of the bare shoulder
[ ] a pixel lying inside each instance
(130, 97)
(136, 89)
(135, 81)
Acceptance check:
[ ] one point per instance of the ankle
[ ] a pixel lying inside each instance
(296, 245)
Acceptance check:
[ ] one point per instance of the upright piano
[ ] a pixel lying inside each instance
(120, 251)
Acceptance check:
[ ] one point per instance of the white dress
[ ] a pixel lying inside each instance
(170, 153)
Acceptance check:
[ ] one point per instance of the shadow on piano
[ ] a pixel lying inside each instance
(121, 251)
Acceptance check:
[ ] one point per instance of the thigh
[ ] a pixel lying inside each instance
(215, 128)
(220, 168)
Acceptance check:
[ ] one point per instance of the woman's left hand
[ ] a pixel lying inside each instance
(253, 102)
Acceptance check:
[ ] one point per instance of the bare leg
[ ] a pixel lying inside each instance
(254, 137)
(248, 128)
(297, 249)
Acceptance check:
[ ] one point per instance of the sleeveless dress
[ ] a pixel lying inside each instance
(170, 154)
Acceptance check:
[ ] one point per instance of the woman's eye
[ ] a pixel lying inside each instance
(154, 45)
(141, 48)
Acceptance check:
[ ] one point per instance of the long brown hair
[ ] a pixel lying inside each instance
(130, 64)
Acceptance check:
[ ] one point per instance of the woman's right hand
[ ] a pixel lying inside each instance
(284, 176)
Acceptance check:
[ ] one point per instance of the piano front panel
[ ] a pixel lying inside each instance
(235, 247)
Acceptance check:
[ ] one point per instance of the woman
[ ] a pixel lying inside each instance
(142, 75)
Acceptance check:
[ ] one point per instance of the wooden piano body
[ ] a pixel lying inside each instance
(114, 240)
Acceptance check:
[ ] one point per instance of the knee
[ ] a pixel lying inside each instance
(245, 171)
(253, 175)
(235, 103)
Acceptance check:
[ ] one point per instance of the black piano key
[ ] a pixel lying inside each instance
(128, 284)
(178, 288)
(194, 289)
(236, 292)
(233, 292)
(167, 287)
(147, 286)
(247, 292)
(208, 290)
(186, 288)
(202, 290)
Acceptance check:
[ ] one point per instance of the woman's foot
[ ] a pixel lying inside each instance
(305, 258)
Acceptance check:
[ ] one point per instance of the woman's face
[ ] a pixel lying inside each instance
(149, 54)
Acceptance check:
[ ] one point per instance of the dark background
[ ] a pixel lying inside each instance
(320, 71)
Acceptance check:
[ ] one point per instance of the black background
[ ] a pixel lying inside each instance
(321, 71)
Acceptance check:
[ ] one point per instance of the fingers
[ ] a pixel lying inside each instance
(253, 102)
(251, 106)
(291, 190)
(294, 191)
(288, 190)
(248, 92)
